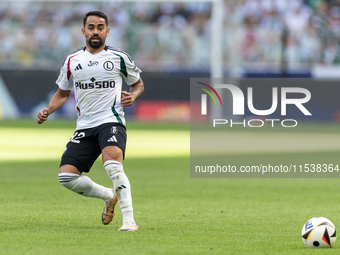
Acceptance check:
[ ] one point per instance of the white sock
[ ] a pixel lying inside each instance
(83, 185)
(122, 187)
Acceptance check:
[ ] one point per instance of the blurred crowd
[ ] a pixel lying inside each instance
(302, 33)
(166, 35)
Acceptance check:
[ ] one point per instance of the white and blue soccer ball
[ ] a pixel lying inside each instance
(318, 232)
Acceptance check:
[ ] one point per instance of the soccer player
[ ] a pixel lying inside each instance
(95, 72)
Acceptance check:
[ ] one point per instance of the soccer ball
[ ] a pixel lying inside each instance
(318, 232)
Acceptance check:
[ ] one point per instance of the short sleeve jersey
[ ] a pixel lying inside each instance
(97, 83)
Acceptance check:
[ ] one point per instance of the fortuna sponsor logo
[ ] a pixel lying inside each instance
(93, 63)
(78, 67)
(112, 139)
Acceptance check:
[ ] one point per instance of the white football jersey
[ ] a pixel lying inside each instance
(97, 83)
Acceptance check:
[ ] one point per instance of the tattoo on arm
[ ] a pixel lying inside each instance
(137, 89)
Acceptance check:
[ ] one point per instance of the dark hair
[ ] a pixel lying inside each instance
(98, 14)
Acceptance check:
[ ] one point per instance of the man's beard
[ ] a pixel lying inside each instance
(96, 45)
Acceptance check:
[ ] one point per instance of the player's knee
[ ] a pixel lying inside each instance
(68, 179)
(113, 168)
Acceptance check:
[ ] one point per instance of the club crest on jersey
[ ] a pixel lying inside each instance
(108, 65)
(114, 130)
(93, 63)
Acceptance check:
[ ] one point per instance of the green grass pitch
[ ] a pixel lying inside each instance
(176, 214)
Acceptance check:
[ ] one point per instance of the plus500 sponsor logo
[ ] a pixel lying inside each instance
(95, 85)
(239, 99)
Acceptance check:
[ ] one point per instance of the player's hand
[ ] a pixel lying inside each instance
(127, 99)
(43, 115)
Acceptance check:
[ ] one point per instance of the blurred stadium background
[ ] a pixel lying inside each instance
(170, 42)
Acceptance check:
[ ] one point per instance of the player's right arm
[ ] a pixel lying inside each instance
(65, 84)
(56, 102)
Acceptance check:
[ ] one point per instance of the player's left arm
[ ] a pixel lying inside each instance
(136, 90)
